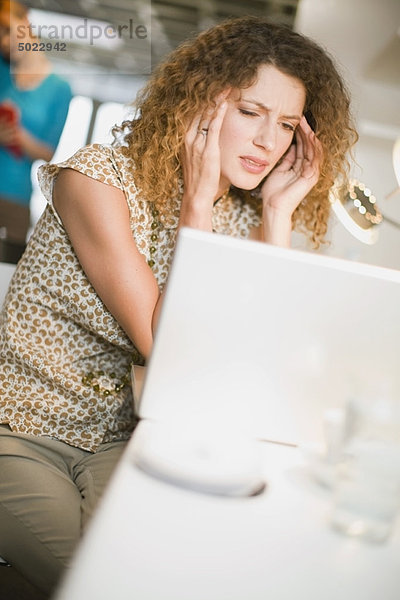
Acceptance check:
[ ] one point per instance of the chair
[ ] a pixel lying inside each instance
(6, 272)
(10, 252)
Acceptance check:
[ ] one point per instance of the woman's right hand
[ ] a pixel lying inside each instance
(201, 166)
(8, 133)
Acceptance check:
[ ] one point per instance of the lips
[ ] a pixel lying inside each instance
(252, 164)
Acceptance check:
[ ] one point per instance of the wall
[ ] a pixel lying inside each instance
(363, 36)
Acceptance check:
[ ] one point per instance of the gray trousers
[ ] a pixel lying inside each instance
(48, 491)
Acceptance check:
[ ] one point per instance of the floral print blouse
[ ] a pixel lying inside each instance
(64, 360)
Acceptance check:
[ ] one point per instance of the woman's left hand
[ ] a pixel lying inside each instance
(293, 178)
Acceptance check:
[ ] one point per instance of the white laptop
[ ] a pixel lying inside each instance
(265, 340)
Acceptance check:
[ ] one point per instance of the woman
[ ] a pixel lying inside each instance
(240, 131)
(39, 101)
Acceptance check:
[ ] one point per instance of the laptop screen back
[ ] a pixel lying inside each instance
(266, 339)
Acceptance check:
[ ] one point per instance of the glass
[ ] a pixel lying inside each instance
(367, 480)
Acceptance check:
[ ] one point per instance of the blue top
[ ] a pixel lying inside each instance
(43, 111)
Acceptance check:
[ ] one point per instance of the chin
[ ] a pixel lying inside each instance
(242, 180)
(244, 183)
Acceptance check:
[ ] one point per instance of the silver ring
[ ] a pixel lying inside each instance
(203, 131)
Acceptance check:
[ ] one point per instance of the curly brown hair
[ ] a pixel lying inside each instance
(229, 55)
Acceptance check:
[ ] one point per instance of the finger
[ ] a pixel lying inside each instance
(192, 130)
(308, 148)
(288, 159)
(197, 134)
(201, 136)
(313, 155)
(212, 112)
(299, 151)
(318, 156)
(215, 124)
(222, 96)
(309, 141)
(302, 132)
(207, 137)
(199, 123)
(313, 146)
(205, 120)
(9, 133)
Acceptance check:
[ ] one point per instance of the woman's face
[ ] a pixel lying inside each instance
(258, 127)
(13, 29)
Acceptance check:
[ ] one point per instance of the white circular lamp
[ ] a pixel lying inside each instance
(356, 209)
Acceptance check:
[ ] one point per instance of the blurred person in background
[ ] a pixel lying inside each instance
(34, 105)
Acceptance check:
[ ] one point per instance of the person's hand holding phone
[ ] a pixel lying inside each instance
(9, 128)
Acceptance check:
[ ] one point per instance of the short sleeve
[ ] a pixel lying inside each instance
(95, 161)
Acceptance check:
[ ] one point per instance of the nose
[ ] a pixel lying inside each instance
(265, 136)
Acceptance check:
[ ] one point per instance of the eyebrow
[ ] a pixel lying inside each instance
(264, 107)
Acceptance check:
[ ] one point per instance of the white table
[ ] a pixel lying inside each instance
(151, 540)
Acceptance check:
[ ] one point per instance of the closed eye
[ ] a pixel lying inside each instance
(248, 113)
(289, 127)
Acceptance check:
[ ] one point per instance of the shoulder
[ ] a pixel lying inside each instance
(56, 92)
(59, 84)
(100, 162)
(95, 160)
